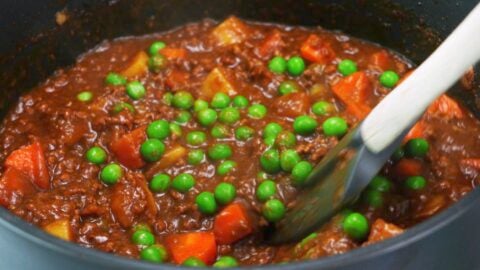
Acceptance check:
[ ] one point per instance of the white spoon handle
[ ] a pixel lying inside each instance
(404, 105)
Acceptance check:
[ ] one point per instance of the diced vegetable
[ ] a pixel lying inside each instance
(232, 224)
(408, 167)
(176, 79)
(231, 31)
(14, 184)
(217, 82)
(317, 50)
(174, 53)
(471, 162)
(121, 204)
(292, 105)
(445, 107)
(30, 160)
(270, 45)
(200, 245)
(381, 60)
(382, 230)
(354, 92)
(138, 66)
(127, 148)
(60, 228)
(171, 156)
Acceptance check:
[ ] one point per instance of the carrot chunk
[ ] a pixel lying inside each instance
(176, 79)
(471, 162)
(174, 53)
(381, 60)
(382, 230)
(232, 224)
(31, 161)
(127, 148)
(354, 92)
(408, 167)
(445, 107)
(271, 44)
(292, 105)
(14, 184)
(316, 50)
(200, 245)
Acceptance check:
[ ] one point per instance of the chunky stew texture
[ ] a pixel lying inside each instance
(182, 147)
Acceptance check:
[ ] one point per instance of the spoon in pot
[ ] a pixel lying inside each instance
(347, 169)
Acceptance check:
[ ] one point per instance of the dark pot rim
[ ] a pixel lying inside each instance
(416, 233)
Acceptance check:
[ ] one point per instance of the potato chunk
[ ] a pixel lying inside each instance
(60, 228)
(216, 82)
(231, 31)
(138, 66)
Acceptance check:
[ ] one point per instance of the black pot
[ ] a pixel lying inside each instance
(33, 46)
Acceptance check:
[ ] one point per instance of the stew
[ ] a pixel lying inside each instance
(182, 147)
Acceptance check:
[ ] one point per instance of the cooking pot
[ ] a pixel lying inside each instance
(35, 41)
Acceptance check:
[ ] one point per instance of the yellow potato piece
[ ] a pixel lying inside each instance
(216, 82)
(60, 228)
(231, 31)
(138, 66)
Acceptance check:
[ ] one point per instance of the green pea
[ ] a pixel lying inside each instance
(288, 87)
(200, 105)
(226, 167)
(183, 100)
(157, 62)
(220, 131)
(85, 96)
(305, 125)
(154, 254)
(373, 198)
(398, 154)
(257, 111)
(244, 133)
(355, 225)
(288, 159)
(417, 147)
(266, 190)
(111, 173)
(207, 117)
(225, 262)
(296, 66)
(262, 176)
(322, 108)
(135, 90)
(269, 141)
(195, 157)
(167, 98)
(300, 172)
(115, 79)
(159, 129)
(229, 116)
(307, 239)
(183, 182)
(286, 139)
(277, 65)
(183, 117)
(141, 227)
(335, 126)
(273, 210)
(272, 130)
(225, 193)
(219, 151)
(96, 155)
(270, 161)
(143, 237)
(152, 150)
(175, 129)
(220, 101)
(389, 79)
(347, 67)
(416, 182)
(206, 203)
(155, 48)
(121, 106)
(240, 102)
(380, 183)
(193, 262)
(196, 138)
(160, 183)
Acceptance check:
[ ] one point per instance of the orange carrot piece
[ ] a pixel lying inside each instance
(30, 160)
(201, 245)
(381, 60)
(408, 167)
(14, 184)
(271, 43)
(354, 91)
(471, 162)
(176, 79)
(316, 50)
(127, 148)
(292, 105)
(174, 53)
(232, 224)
